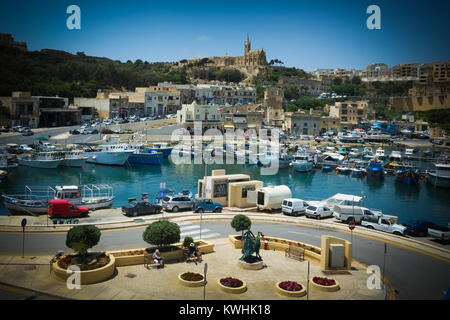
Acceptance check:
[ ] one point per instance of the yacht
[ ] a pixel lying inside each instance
(43, 160)
(35, 199)
(302, 162)
(440, 177)
(73, 158)
(113, 154)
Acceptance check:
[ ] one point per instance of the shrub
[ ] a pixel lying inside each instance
(82, 238)
(187, 241)
(241, 222)
(162, 233)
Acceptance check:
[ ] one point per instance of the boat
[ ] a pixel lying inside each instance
(395, 156)
(284, 161)
(302, 162)
(161, 147)
(43, 160)
(440, 177)
(408, 175)
(114, 154)
(375, 168)
(343, 169)
(145, 155)
(357, 172)
(35, 199)
(73, 158)
(409, 153)
(380, 154)
(332, 159)
(355, 153)
(5, 164)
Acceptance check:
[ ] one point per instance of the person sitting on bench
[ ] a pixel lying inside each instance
(157, 259)
(194, 254)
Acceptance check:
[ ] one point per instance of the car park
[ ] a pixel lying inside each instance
(139, 208)
(202, 204)
(176, 202)
(293, 207)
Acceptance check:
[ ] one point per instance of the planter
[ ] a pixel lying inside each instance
(234, 290)
(203, 246)
(128, 257)
(331, 288)
(235, 241)
(88, 276)
(294, 294)
(188, 283)
(251, 266)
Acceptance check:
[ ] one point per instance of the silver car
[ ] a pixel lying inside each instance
(176, 202)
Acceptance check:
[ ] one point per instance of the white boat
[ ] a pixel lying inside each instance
(332, 159)
(74, 158)
(440, 177)
(35, 199)
(409, 153)
(302, 162)
(113, 154)
(380, 154)
(43, 160)
(395, 156)
(357, 172)
(343, 169)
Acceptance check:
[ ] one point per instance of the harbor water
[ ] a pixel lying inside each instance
(422, 201)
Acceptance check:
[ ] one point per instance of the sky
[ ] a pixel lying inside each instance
(302, 34)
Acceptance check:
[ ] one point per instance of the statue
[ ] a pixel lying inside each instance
(250, 245)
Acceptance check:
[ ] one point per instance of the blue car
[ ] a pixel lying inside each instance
(418, 227)
(201, 205)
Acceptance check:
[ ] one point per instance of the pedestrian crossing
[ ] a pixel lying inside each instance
(189, 229)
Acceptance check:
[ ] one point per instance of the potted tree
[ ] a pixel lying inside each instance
(80, 239)
(162, 234)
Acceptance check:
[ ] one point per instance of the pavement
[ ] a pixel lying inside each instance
(138, 283)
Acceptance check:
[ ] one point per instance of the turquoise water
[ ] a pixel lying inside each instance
(406, 202)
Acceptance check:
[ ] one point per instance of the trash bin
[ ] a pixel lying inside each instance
(266, 245)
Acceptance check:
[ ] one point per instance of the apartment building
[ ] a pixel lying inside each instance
(208, 114)
(162, 100)
(350, 113)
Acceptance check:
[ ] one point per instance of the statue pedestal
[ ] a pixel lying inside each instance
(251, 266)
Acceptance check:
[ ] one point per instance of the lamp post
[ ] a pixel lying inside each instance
(23, 223)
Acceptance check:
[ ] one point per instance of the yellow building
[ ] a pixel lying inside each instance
(352, 112)
(230, 190)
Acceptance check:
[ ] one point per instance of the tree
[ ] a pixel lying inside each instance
(187, 241)
(241, 222)
(162, 233)
(82, 238)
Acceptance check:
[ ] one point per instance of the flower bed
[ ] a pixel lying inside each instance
(99, 269)
(232, 285)
(325, 284)
(291, 288)
(191, 279)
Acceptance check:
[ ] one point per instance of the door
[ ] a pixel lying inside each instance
(251, 196)
(385, 225)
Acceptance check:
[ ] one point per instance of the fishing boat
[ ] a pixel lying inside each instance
(42, 160)
(332, 159)
(395, 156)
(357, 172)
(380, 154)
(145, 155)
(114, 154)
(343, 169)
(73, 158)
(408, 175)
(375, 168)
(162, 147)
(302, 162)
(5, 164)
(35, 199)
(440, 177)
(409, 153)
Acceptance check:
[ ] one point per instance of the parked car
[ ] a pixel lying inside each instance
(25, 148)
(177, 202)
(106, 131)
(386, 225)
(4, 129)
(139, 208)
(119, 131)
(65, 209)
(203, 204)
(16, 128)
(437, 141)
(27, 132)
(74, 131)
(346, 213)
(293, 207)
(90, 131)
(318, 211)
(440, 233)
(418, 227)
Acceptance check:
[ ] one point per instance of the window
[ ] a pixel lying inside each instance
(220, 190)
(245, 189)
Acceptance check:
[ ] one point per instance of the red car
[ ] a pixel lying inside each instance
(60, 208)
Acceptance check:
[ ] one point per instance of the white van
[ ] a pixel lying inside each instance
(293, 207)
(318, 211)
(354, 213)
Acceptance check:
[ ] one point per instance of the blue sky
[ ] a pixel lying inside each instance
(303, 34)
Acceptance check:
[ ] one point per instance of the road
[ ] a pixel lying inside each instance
(413, 274)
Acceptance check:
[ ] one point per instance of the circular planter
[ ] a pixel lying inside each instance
(332, 288)
(251, 266)
(88, 276)
(186, 283)
(294, 294)
(240, 289)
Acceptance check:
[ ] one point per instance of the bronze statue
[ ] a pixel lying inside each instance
(250, 245)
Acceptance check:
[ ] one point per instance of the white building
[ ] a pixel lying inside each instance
(208, 114)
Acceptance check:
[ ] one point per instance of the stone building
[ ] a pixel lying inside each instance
(162, 100)
(273, 105)
(301, 124)
(350, 113)
(208, 114)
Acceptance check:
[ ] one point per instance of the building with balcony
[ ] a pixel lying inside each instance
(301, 124)
(162, 100)
(350, 113)
(207, 114)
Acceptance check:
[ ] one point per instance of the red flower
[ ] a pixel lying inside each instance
(231, 282)
(324, 281)
(290, 286)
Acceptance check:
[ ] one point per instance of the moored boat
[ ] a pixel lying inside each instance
(302, 162)
(115, 154)
(73, 158)
(145, 155)
(440, 177)
(375, 168)
(408, 175)
(3, 175)
(42, 160)
(343, 169)
(161, 147)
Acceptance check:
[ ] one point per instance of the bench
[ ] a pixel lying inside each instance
(149, 263)
(295, 252)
